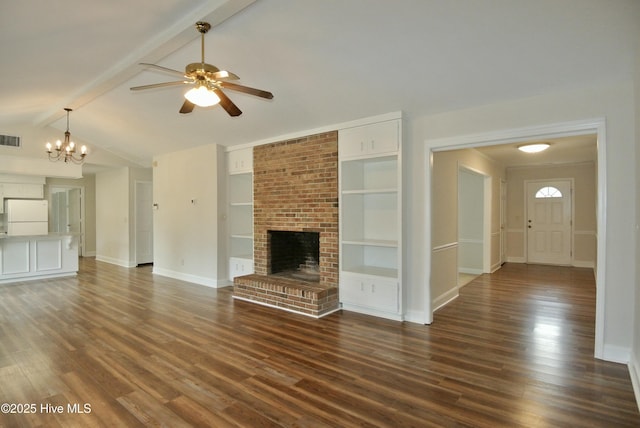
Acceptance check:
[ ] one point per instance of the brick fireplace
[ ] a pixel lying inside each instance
(295, 189)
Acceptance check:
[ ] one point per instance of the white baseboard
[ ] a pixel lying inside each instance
(414, 317)
(187, 277)
(113, 261)
(516, 260)
(445, 299)
(584, 264)
(368, 311)
(634, 373)
(89, 254)
(470, 271)
(616, 354)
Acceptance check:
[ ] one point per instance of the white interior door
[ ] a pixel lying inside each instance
(549, 217)
(144, 222)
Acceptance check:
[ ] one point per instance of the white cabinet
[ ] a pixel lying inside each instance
(240, 161)
(370, 294)
(371, 219)
(369, 140)
(239, 266)
(240, 218)
(37, 257)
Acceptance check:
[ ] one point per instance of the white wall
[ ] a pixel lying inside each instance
(470, 222)
(613, 101)
(189, 223)
(634, 365)
(112, 216)
(115, 237)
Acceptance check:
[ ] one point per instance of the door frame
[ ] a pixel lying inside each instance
(135, 216)
(503, 221)
(509, 136)
(81, 239)
(526, 211)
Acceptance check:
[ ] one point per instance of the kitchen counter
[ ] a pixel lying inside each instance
(38, 256)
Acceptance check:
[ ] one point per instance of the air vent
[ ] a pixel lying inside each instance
(9, 141)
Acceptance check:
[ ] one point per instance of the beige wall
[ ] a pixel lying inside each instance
(88, 183)
(444, 225)
(584, 228)
(635, 351)
(189, 224)
(112, 216)
(115, 239)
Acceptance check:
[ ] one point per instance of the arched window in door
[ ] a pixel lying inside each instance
(548, 192)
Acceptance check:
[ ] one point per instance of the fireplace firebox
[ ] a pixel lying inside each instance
(294, 255)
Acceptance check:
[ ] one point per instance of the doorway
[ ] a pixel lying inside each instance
(549, 222)
(67, 212)
(474, 222)
(144, 222)
(595, 127)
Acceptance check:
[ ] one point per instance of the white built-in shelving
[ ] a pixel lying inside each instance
(370, 218)
(240, 191)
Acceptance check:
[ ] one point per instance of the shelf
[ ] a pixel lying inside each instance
(373, 271)
(370, 174)
(241, 204)
(372, 242)
(243, 257)
(242, 236)
(369, 191)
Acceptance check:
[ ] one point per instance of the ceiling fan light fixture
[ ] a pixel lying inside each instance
(533, 148)
(202, 96)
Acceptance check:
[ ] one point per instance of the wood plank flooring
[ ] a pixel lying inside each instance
(128, 348)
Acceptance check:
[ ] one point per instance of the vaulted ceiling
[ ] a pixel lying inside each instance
(326, 62)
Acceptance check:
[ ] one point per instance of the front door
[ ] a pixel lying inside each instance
(549, 214)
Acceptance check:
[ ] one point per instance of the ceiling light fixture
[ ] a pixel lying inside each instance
(202, 96)
(66, 150)
(533, 148)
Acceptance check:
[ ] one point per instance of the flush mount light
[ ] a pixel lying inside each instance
(533, 148)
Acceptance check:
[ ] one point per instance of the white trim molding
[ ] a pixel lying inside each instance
(634, 373)
(195, 279)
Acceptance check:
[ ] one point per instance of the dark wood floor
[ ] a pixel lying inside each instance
(515, 349)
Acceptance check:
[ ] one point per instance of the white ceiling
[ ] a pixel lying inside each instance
(326, 62)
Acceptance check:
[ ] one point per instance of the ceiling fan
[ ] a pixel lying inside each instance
(207, 81)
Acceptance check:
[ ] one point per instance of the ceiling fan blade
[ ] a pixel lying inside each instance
(247, 90)
(165, 69)
(187, 107)
(160, 85)
(225, 75)
(227, 104)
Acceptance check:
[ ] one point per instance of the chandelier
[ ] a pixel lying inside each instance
(66, 150)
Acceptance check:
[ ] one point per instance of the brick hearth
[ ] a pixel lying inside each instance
(295, 188)
(286, 293)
